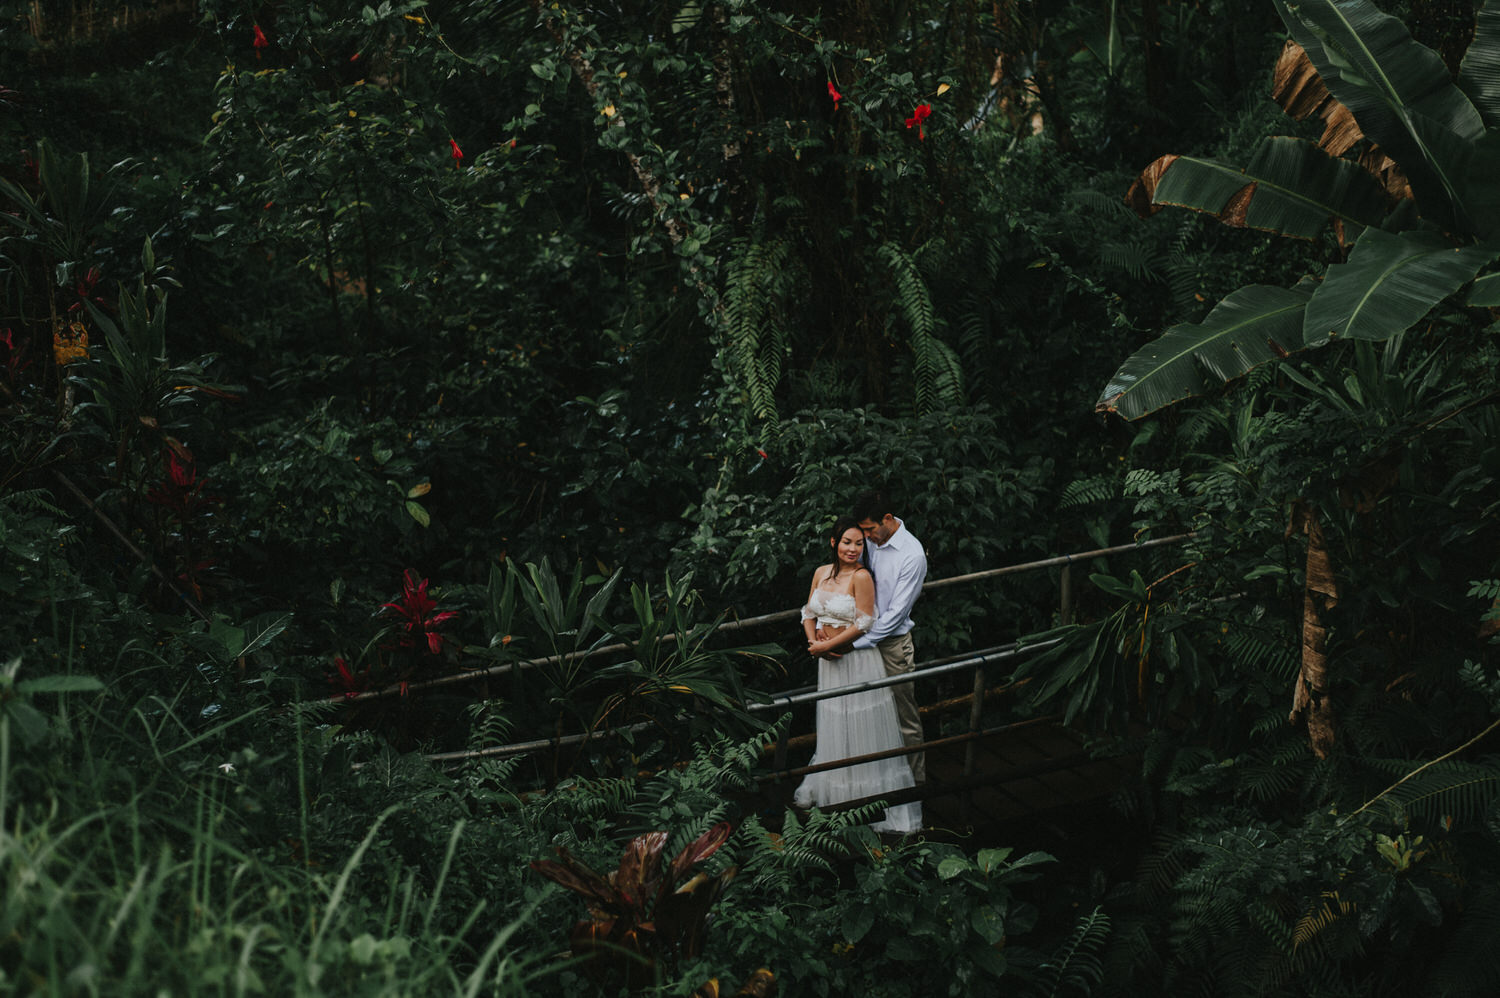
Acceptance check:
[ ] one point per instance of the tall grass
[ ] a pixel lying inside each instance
(130, 865)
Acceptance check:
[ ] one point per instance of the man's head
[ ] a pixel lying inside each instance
(872, 510)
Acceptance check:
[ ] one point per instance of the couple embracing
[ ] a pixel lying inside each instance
(858, 626)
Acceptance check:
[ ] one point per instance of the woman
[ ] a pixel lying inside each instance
(842, 602)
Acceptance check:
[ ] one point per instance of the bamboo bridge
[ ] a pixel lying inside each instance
(979, 776)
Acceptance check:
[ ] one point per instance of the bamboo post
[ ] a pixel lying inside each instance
(1065, 601)
(976, 709)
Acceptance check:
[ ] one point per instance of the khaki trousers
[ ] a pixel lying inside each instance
(900, 657)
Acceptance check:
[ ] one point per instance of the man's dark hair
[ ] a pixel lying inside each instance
(871, 504)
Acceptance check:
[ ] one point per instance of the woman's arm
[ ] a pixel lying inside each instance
(810, 623)
(864, 616)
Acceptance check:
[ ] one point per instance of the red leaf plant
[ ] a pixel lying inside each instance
(180, 493)
(346, 682)
(644, 912)
(415, 608)
(920, 114)
(15, 354)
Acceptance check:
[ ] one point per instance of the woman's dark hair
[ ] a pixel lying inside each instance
(840, 527)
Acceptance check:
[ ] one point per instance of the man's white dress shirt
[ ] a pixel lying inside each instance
(900, 567)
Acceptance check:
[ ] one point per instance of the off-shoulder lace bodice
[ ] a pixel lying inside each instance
(836, 610)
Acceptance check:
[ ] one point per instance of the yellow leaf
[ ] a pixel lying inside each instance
(622, 74)
(419, 490)
(943, 88)
(608, 110)
(414, 19)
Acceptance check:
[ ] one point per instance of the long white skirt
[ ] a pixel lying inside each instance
(853, 725)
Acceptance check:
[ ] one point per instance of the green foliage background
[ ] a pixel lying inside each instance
(594, 318)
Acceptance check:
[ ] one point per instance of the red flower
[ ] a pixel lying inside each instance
(259, 41)
(921, 114)
(833, 92)
(458, 153)
(348, 682)
(415, 607)
(762, 453)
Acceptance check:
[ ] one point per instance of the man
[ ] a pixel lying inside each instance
(899, 565)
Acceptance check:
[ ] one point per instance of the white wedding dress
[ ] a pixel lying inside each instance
(856, 724)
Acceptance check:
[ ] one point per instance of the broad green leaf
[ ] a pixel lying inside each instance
(225, 638)
(1389, 283)
(417, 512)
(990, 859)
(1253, 325)
(987, 924)
(1105, 43)
(1479, 74)
(952, 866)
(1291, 187)
(1398, 90)
(261, 628)
(1483, 203)
(59, 684)
(857, 922)
(1486, 292)
(31, 723)
(988, 959)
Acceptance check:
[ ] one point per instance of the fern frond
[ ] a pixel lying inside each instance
(1094, 489)
(1133, 258)
(1076, 968)
(1313, 923)
(1257, 651)
(937, 373)
(31, 501)
(1463, 791)
(1267, 775)
(757, 340)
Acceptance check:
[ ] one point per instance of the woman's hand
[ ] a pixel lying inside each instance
(823, 649)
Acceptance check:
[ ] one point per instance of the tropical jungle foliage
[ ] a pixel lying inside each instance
(417, 416)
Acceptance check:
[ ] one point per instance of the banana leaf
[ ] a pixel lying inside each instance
(1399, 91)
(1389, 283)
(1253, 325)
(1486, 292)
(1479, 74)
(1291, 187)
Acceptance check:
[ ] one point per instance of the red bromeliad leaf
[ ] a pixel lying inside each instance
(579, 879)
(415, 608)
(640, 869)
(698, 850)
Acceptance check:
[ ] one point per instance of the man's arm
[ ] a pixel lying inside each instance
(907, 586)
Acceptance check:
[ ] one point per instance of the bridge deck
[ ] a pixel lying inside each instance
(1018, 771)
